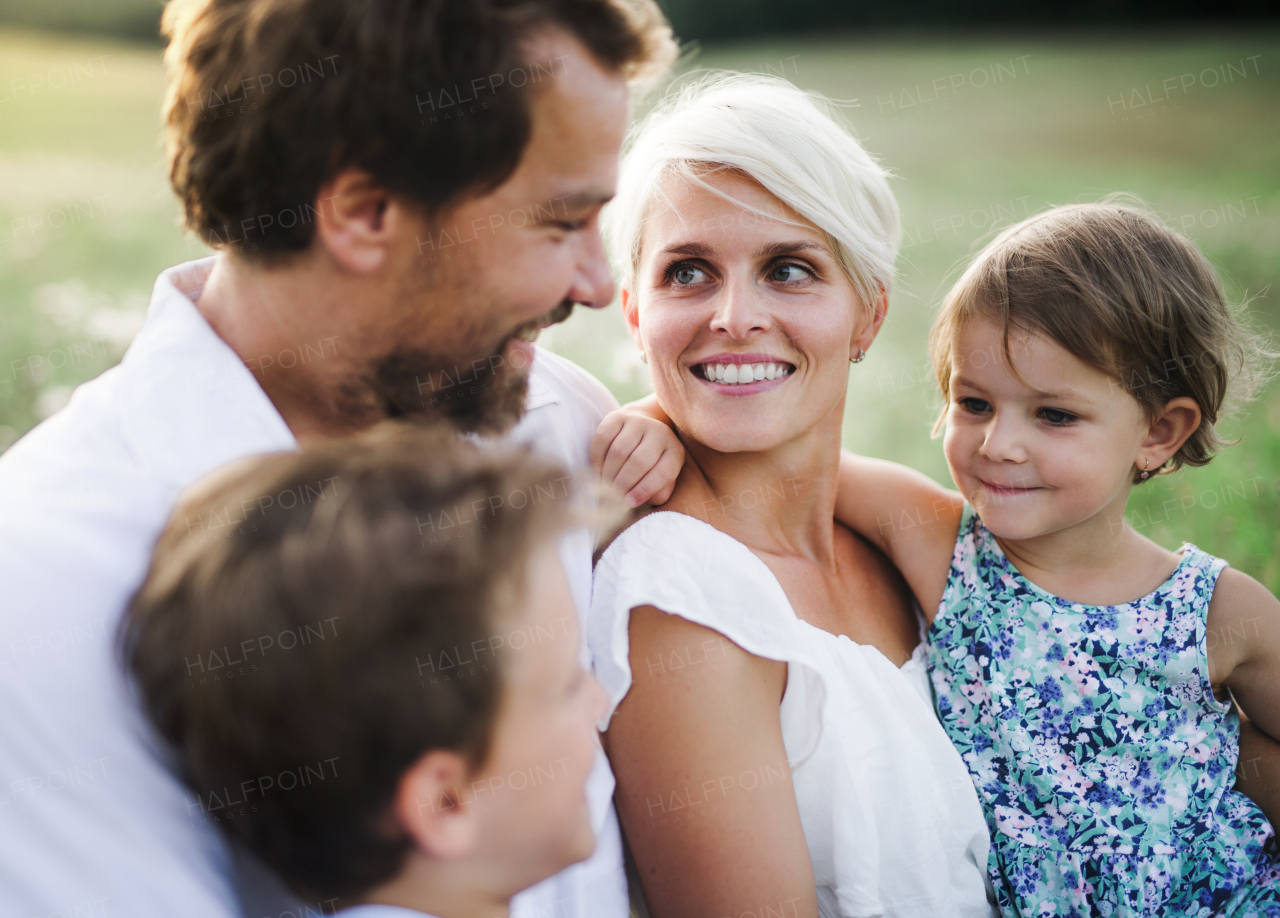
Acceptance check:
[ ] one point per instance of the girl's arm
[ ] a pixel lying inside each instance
(636, 450)
(704, 845)
(907, 515)
(1258, 770)
(1244, 647)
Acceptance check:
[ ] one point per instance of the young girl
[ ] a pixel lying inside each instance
(1088, 676)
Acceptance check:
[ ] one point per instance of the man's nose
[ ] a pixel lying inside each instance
(592, 280)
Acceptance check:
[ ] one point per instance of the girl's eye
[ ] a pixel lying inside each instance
(975, 405)
(688, 274)
(784, 273)
(1056, 416)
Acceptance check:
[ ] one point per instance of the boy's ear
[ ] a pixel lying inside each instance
(357, 221)
(631, 314)
(1179, 419)
(434, 806)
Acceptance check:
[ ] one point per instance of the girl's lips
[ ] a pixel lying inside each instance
(1004, 490)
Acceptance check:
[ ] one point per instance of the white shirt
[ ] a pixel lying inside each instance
(890, 816)
(91, 819)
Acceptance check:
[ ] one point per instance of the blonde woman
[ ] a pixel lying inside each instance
(771, 725)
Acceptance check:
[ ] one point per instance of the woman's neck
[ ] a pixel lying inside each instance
(780, 500)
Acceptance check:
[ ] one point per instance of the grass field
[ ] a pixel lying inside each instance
(980, 133)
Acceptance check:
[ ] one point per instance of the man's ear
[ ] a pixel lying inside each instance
(1177, 421)
(434, 806)
(357, 220)
(631, 313)
(866, 331)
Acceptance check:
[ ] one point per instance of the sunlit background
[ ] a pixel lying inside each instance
(982, 127)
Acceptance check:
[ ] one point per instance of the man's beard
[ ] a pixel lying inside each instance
(485, 395)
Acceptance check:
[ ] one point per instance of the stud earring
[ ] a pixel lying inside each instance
(644, 358)
(1145, 473)
(861, 356)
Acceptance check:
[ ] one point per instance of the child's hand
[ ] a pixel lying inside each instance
(638, 454)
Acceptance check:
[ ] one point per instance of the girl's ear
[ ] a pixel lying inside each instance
(434, 808)
(865, 332)
(1178, 420)
(631, 314)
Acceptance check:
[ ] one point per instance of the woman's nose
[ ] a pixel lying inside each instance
(739, 309)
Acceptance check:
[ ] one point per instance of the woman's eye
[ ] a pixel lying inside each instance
(975, 405)
(1056, 416)
(688, 274)
(784, 273)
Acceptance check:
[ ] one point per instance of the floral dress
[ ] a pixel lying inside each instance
(1104, 763)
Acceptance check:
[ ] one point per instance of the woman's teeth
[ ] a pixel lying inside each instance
(741, 373)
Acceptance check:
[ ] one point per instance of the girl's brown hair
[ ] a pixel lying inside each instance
(1124, 293)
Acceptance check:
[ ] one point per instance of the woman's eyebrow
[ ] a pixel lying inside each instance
(692, 249)
(774, 249)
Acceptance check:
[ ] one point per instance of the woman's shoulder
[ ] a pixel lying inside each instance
(666, 553)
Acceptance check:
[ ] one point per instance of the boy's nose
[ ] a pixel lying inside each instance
(599, 699)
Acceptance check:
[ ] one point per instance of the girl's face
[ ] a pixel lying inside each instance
(747, 322)
(1043, 455)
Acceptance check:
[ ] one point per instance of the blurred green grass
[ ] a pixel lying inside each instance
(979, 132)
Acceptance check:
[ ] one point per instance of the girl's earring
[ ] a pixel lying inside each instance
(644, 357)
(861, 356)
(1145, 473)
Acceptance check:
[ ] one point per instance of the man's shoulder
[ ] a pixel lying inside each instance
(571, 385)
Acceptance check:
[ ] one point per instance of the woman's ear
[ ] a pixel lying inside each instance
(1177, 421)
(631, 314)
(434, 808)
(357, 221)
(869, 326)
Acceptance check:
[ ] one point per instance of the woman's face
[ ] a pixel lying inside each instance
(722, 292)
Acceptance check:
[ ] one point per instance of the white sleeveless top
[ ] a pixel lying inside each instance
(890, 816)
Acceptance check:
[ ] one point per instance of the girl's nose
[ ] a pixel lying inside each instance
(1003, 441)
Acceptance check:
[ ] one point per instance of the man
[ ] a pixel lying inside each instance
(402, 192)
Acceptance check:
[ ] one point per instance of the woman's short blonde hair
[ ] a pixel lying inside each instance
(795, 144)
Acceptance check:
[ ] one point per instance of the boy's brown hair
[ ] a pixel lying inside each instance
(1123, 293)
(268, 99)
(298, 636)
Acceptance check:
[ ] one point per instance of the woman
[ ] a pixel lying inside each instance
(772, 734)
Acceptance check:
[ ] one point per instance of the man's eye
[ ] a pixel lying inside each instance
(784, 273)
(688, 274)
(1056, 416)
(975, 405)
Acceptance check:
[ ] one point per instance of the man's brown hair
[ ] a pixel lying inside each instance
(298, 635)
(268, 99)
(1124, 293)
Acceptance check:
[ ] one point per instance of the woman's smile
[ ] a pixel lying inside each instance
(742, 374)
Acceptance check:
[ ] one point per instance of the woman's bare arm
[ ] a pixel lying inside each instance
(704, 789)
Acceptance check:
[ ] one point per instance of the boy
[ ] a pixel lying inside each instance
(308, 669)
